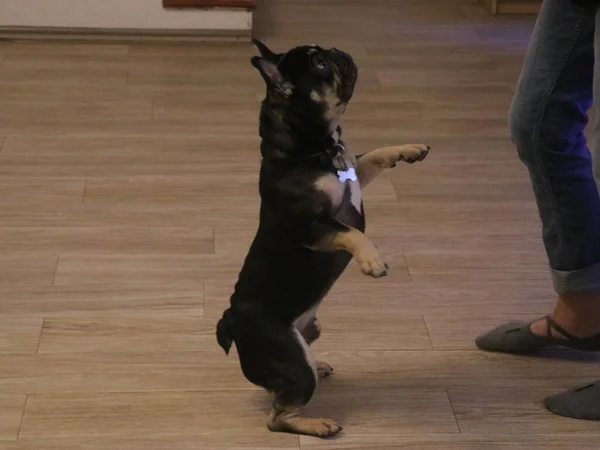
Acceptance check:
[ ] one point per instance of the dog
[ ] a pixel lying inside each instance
(311, 225)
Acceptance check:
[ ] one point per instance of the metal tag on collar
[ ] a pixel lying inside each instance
(339, 161)
(344, 173)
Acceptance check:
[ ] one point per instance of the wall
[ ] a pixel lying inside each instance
(118, 14)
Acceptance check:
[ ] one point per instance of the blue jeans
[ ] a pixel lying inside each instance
(547, 119)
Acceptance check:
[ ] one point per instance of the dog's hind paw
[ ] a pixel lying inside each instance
(325, 428)
(323, 369)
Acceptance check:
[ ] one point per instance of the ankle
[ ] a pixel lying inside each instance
(578, 314)
(580, 301)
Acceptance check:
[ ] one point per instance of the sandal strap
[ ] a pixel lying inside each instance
(552, 324)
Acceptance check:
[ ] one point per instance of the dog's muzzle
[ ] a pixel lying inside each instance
(348, 71)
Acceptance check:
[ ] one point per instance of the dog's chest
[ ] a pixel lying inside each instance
(342, 186)
(352, 195)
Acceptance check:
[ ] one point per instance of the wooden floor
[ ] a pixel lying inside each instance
(128, 198)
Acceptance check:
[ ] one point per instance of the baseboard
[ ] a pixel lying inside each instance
(519, 7)
(121, 35)
(491, 6)
(505, 7)
(246, 4)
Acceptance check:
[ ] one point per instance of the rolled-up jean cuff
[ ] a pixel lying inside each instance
(586, 280)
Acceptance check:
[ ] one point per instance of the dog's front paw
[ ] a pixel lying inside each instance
(371, 263)
(412, 153)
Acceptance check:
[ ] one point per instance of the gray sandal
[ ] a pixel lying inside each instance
(517, 337)
(581, 403)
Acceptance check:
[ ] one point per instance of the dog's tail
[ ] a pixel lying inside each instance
(225, 336)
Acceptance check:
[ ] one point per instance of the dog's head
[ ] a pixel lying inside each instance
(309, 82)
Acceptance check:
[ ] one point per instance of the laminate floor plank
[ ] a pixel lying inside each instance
(11, 412)
(360, 371)
(208, 417)
(106, 214)
(41, 189)
(174, 189)
(20, 335)
(27, 269)
(99, 301)
(141, 270)
(36, 49)
(511, 410)
(117, 334)
(453, 442)
(129, 197)
(108, 240)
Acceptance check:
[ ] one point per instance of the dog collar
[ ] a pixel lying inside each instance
(334, 158)
(344, 172)
(331, 157)
(338, 158)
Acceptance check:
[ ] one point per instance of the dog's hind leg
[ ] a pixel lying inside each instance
(309, 327)
(312, 331)
(300, 375)
(323, 369)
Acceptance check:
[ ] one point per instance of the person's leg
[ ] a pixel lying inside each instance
(547, 119)
(563, 177)
(583, 402)
(596, 148)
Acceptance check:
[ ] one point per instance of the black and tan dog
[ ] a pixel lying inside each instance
(311, 225)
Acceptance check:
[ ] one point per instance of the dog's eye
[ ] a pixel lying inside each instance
(320, 62)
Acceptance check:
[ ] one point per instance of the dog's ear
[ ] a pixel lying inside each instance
(272, 76)
(265, 52)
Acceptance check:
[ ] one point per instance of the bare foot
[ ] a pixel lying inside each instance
(578, 314)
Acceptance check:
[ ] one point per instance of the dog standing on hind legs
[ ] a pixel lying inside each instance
(311, 225)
